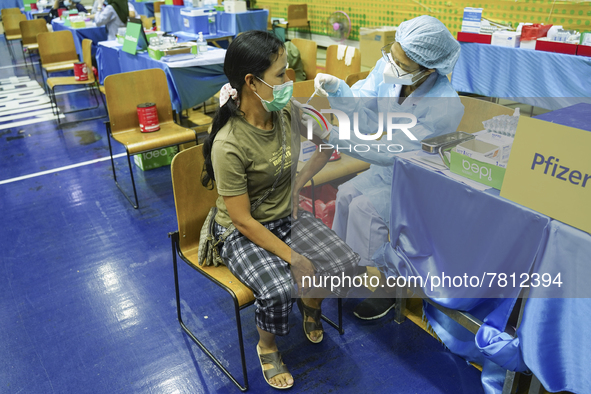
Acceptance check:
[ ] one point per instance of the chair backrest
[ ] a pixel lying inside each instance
(9, 11)
(125, 91)
(290, 72)
(338, 68)
(87, 57)
(303, 89)
(146, 22)
(57, 46)
(157, 5)
(353, 78)
(297, 14)
(30, 29)
(11, 24)
(191, 198)
(476, 111)
(308, 53)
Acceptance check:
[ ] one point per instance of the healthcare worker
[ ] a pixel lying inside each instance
(113, 16)
(66, 5)
(410, 78)
(102, 4)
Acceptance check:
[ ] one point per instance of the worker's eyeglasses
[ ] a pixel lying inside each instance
(387, 55)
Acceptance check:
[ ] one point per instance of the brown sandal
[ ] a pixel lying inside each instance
(278, 367)
(309, 326)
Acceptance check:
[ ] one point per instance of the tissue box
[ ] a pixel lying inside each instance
(307, 149)
(372, 40)
(473, 37)
(480, 171)
(544, 44)
(234, 6)
(503, 142)
(508, 39)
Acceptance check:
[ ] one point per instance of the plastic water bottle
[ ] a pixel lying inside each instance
(211, 22)
(201, 43)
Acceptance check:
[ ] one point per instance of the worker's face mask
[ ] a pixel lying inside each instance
(281, 96)
(67, 3)
(393, 74)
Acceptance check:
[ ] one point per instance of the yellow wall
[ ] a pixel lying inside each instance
(572, 15)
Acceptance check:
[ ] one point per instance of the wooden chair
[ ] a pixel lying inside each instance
(146, 22)
(308, 53)
(354, 78)
(290, 72)
(157, 14)
(338, 68)
(476, 111)
(57, 52)
(12, 29)
(29, 31)
(91, 84)
(193, 202)
(297, 16)
(303, 89)
(124, 92)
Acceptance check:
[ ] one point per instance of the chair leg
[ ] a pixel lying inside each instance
(9, 45)
(174, 239)
(310, 30)
(136, 205)
(400, 304)
(339, 326)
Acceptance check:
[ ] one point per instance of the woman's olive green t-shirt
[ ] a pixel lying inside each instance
(247, 159)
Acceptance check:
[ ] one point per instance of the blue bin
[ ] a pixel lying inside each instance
(195, 20)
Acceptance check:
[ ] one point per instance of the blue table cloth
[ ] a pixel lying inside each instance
(188, 86)
(11, 4)
(144, 8)
(96, 34)
(439, 224)
(528, 76)
(172, 21)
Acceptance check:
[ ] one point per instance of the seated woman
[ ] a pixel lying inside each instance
(249, 156)
(424, 52)
(113, 16)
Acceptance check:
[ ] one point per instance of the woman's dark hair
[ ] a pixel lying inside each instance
(251, 52)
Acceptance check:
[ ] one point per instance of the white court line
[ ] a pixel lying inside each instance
(18, 65)
(20, 178)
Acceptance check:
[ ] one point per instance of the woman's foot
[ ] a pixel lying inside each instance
(274, 370)
(310, 309)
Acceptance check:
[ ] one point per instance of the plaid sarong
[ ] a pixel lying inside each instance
(270, 277)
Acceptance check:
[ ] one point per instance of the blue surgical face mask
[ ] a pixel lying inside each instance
(281, 96)
(67, 3)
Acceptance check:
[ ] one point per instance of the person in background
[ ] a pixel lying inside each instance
(426, 51)
(65, 5)
(102, 3)
(113, 16)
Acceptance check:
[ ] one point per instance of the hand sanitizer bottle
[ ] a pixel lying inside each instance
(201, 43)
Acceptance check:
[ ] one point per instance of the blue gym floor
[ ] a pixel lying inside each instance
(87, 300)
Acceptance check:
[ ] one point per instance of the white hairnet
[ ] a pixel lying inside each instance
(427, 42)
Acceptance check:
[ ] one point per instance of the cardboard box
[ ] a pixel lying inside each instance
(481, 172)
(472, 20)
(234, 6)
(156, 158)
(372, 40)
(472, 37)
(509, 39)
(556, 46)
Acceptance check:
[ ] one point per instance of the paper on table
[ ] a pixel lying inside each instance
(212, 56)
(110, 44)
